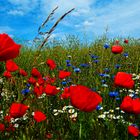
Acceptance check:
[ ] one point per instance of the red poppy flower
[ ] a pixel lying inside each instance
(39, 116)
(124, 80)
(2, 127)
(51, 90)
(22, 72)
(8, 48)
(66, 93)
(51, 64)
(31, 80)
(17, 110)
(130, 105)
(64, 74)
(83, 98)
(41, 81)
(7, 74)
(49, 80)
(126, 41)
(35, 73)
(133, 130)
(38, 90)
(11, 66)
(116, 49)
(126, 104)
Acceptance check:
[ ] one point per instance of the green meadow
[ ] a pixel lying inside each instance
(65, 122)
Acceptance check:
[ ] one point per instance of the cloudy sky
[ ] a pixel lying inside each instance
(21, 18)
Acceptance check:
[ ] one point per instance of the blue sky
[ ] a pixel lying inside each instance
(21, 18)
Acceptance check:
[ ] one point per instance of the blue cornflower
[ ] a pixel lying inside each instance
(28, 85)
(67, 61)
(104, 75)
(94, 56)
(68, 64)
(84, 65)
(117, 66)
(106, 46)
(135, 96)
(25, 91)
(113, 94)
(96, 61)
(69, 80)
(132, 95)
(125, 54)
(77, 70)
(117, 99)
(101, 74)
(99, 107)
(63, 83)
(103, 81)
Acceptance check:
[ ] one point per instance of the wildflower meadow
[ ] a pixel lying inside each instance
(70, 90)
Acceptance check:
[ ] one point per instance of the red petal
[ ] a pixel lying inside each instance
(133, 131)
(17, 110)
(8, 48)
(39, 116)
(11, 66)
(83, 98)
(117, 49)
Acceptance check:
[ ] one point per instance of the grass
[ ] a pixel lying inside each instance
(87, 126)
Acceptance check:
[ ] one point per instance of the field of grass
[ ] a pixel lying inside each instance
(65, 122)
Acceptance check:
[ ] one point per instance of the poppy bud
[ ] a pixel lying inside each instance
(117, 49)
(22, 72)
(133, 130)
(51, 64)
(126, 41)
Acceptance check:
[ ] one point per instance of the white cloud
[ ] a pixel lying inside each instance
(81, 6)
(88, 23)
(56, 35)
(16, 12)
(122, 18)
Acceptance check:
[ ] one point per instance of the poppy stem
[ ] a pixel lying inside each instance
(80, 131)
